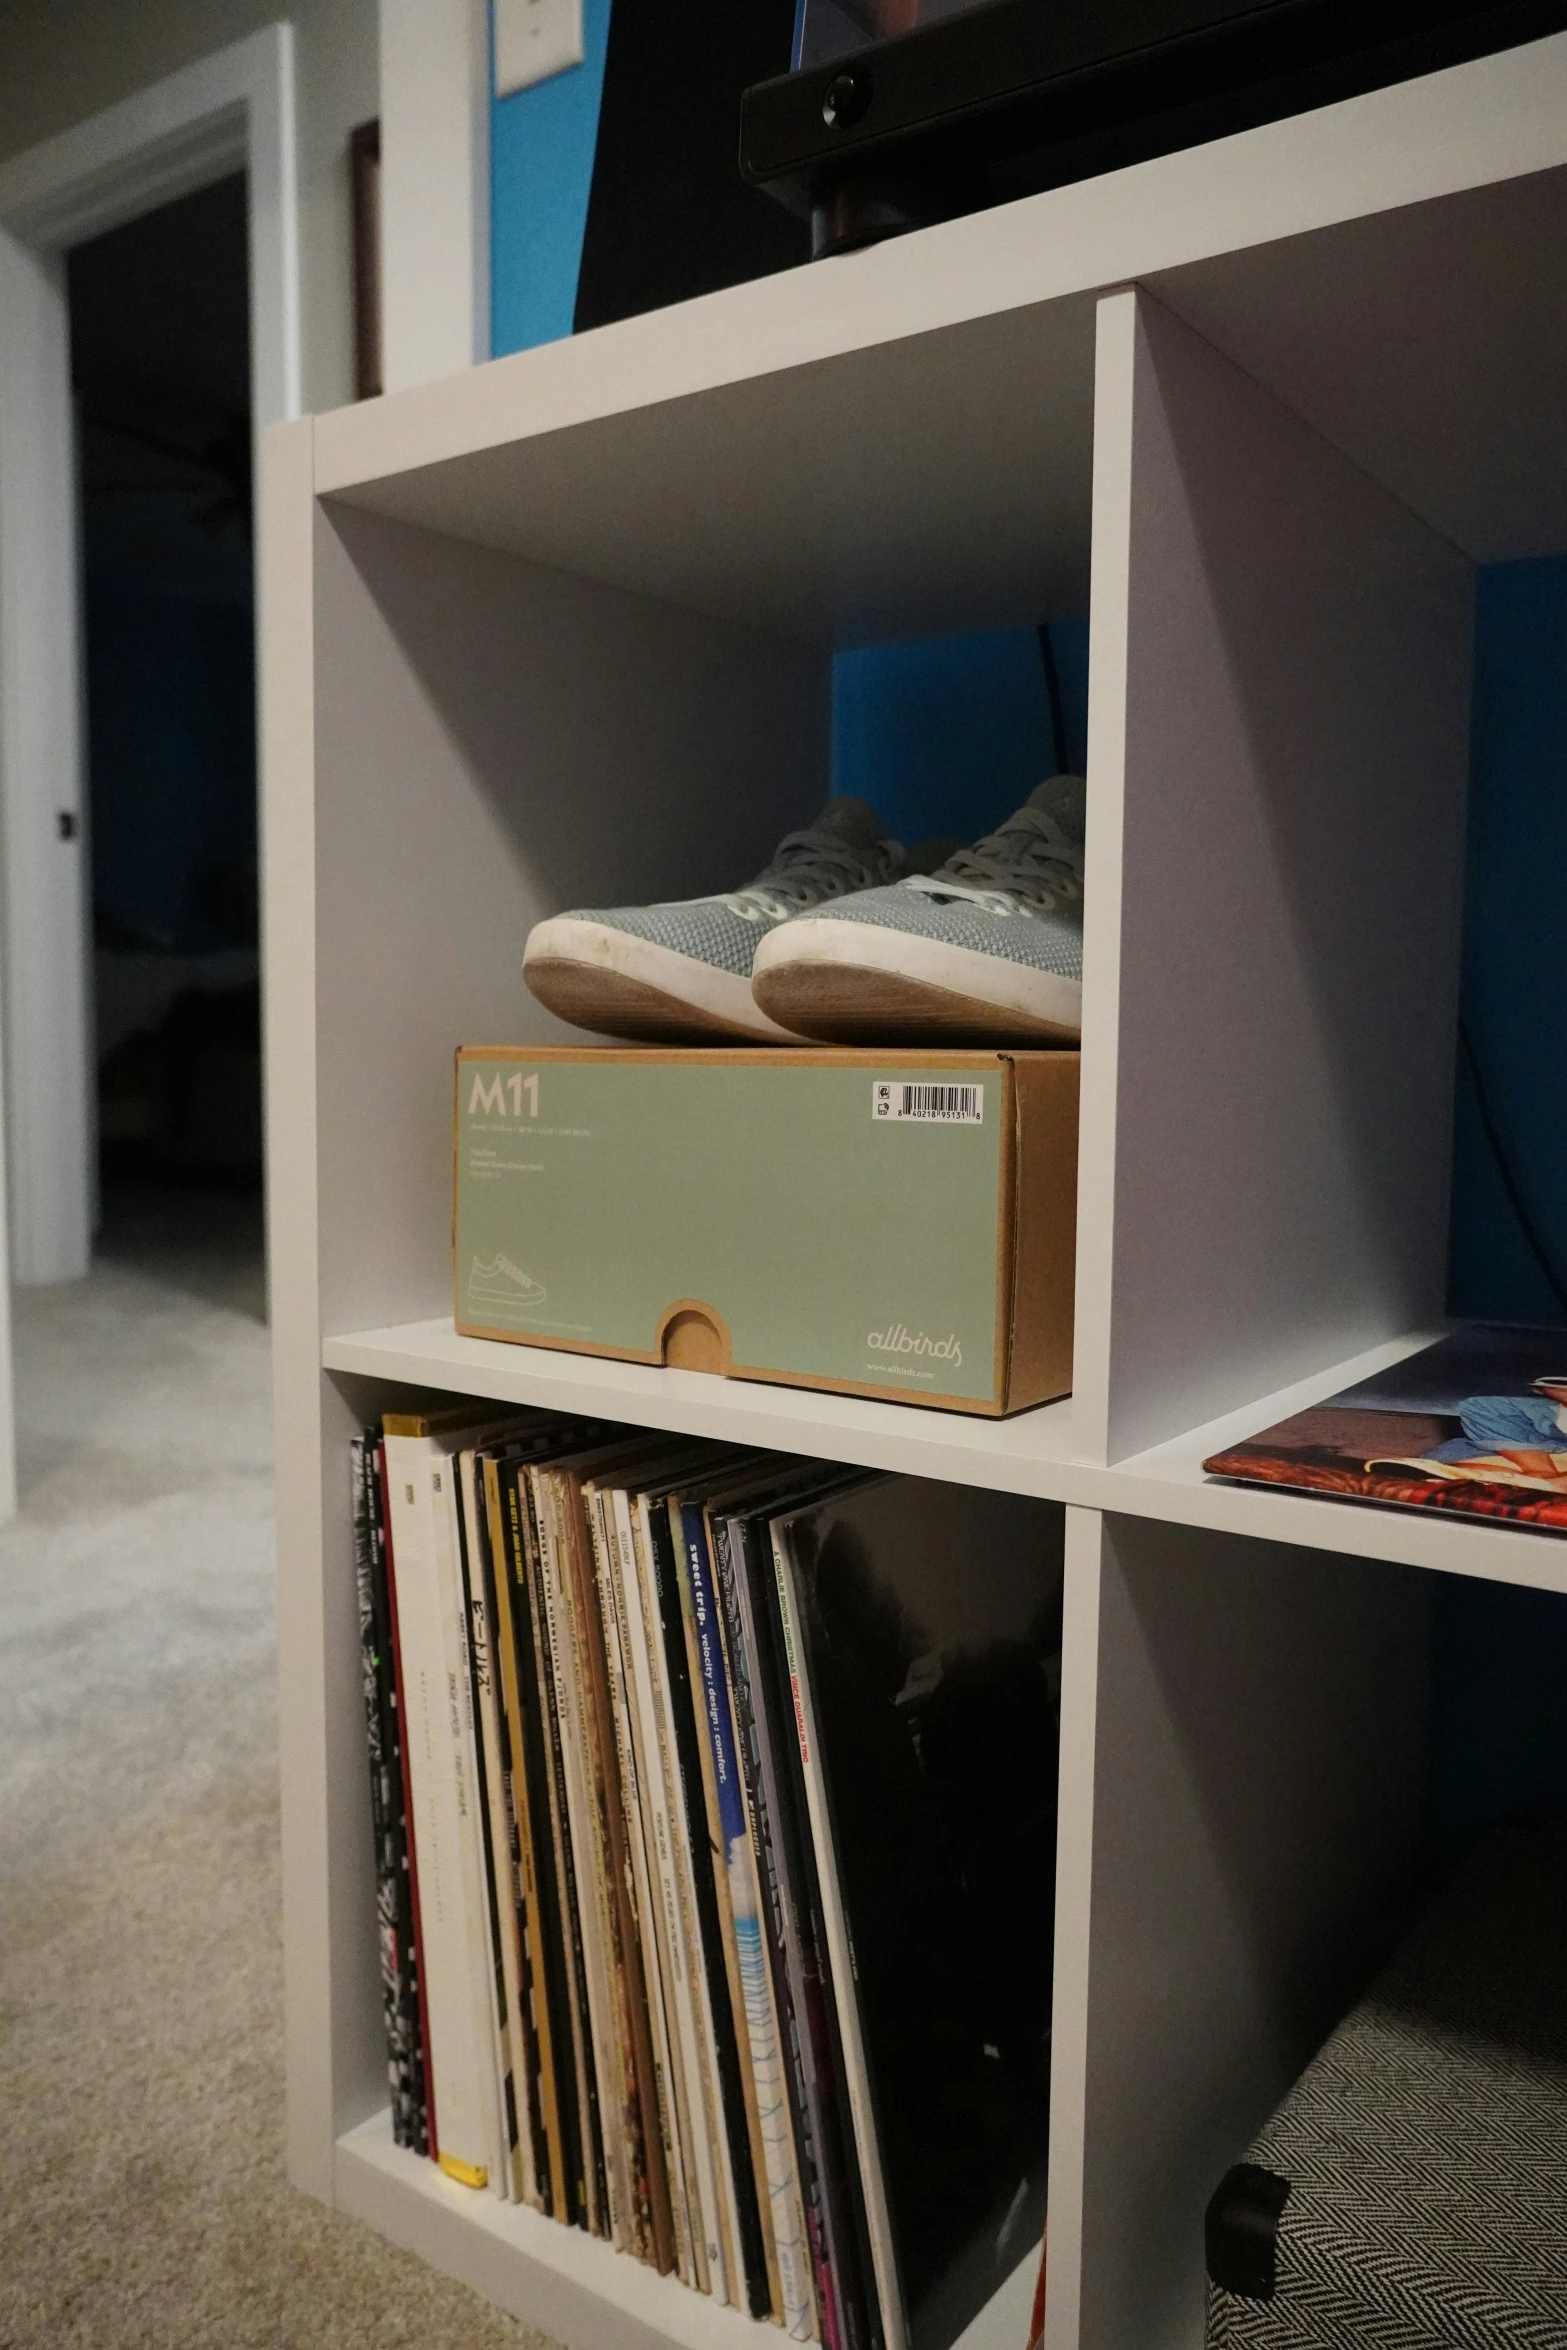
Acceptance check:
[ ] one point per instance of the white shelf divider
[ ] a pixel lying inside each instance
(1278, 752)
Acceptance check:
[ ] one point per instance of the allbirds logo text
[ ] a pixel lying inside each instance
(899, 1339)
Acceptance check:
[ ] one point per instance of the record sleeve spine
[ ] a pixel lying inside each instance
(746, 2264)
(777, 1931)
(695, 2157)
(468, 1767)
(709, 2115)
(461, 2063)
(600, 2036)
(796, 2306)
(537, 2088)
(419, 2019)
(565, 1979)
(638, 1949)
(717, 1785)
(378, 1738)
(501, 1838)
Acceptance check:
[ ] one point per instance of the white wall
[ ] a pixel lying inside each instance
(435, 188)
(62, 60)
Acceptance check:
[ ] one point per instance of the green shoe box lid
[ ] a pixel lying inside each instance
(898, 1224)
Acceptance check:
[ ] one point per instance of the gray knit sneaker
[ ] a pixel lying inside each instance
(986, 950)
(681, 973)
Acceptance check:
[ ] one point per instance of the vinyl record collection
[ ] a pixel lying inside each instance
(714, 1810)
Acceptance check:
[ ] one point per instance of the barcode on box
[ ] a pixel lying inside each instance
(945, 1105)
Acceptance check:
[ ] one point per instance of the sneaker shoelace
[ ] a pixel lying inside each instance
(1029, 866)
(808, 867)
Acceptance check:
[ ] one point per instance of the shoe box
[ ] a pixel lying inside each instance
(882, 1223)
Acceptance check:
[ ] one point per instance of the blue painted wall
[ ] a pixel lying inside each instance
(1515, 948)
(1499, 1730)
(541, 170)
(945, 736)
(950, 734)
(1499, 1723)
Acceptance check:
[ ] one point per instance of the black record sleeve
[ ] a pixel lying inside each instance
(803, 1936)
(930, 1630)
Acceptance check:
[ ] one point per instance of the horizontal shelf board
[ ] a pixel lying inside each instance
(863, 496)
(1172, 1477)
(568, 2284)
(1032, 1453)
(1020, 1455)
(897, 441)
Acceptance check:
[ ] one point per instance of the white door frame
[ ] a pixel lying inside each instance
(230, 111)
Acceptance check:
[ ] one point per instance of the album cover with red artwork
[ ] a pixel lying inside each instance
(1475, 1423)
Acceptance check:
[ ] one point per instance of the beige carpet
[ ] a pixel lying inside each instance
(143, 2204)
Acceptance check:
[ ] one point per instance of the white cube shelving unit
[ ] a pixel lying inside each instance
(559, 631)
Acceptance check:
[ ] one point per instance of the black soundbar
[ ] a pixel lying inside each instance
(1021, 95)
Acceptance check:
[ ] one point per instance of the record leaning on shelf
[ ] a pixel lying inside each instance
(924, 1627)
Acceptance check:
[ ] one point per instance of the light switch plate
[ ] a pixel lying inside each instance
(535, 39)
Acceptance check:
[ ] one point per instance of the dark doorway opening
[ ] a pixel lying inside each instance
(160, 358)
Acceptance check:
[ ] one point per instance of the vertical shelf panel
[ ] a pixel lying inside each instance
(1278, 755)
(1074, 1907)
(334, 2042)
(1259, 1754)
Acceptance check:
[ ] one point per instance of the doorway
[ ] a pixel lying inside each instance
(160, 377)
(230, 113)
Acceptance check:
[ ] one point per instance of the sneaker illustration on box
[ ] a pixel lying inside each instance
(496, 1281)
(987, 950)
(680, 973)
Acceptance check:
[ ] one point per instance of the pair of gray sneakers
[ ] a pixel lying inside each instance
(838, 940)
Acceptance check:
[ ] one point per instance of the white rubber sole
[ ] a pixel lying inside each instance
(852, 982)
(605, 979)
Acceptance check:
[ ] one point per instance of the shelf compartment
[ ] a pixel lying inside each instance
(1278, 740)
(1244, 1765)
(568, 2284)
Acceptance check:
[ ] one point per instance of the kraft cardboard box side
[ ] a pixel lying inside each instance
(895, 1224)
